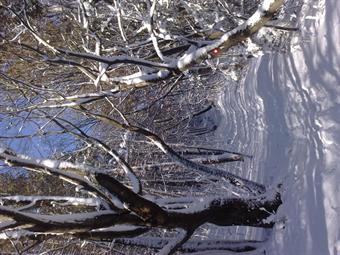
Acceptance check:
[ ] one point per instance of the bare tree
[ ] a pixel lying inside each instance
(101, 81)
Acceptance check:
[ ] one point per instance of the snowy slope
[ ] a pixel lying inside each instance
(301, 98)
(287, 115)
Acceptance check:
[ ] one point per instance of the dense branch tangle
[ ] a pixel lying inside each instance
(139, 214)
(88, 75)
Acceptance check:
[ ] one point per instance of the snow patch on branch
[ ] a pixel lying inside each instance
(256, 21)
(141, 77)
(65, 200)
(117, 228)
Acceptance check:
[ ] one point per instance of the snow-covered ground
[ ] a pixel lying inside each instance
(287, 114)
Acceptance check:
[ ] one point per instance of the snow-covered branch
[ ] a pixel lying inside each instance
(193, 55)
(239, 182)
(142, 213)
(194, 246)
(264, 12)
(116, 60)
(61, 200)
(50, 167)
(177, 242)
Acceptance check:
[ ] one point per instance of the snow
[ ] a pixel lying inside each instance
(14, 234)
(217, 252)
(141, 77)
(170, 246)
(194, 54)
(65, 200)
(6, 224)
(289, 111)
(118, 228)
(49, 163)
(314, 73)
